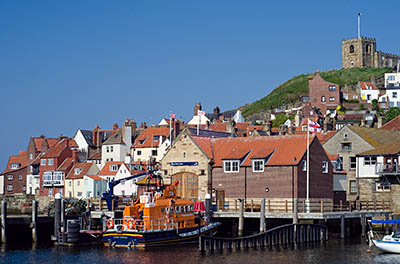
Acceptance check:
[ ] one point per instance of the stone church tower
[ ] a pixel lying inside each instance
(361, 52)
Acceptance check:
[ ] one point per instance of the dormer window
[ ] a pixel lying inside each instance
(141, 142)
(156, 138)
(258, 165)
(78, 171)
(14, 166)
(231, 166)
(332, 88)
(114, 167)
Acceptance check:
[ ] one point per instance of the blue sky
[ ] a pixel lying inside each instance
(75, 64)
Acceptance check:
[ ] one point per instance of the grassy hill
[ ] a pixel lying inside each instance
(291, 90)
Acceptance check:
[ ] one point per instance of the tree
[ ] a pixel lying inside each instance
(375, 105)
(392, 113)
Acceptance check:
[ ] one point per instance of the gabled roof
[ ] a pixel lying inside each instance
(281, 150)
(65, 165)
(88, 136)
(243, 125)
(393, 124)
(96, 178)
(390, 149)
(115, 138)
(375, 136)
(220, 127)
(368, 86)
(95, 156)
(83, 167)
(21, 159)
(57, 149)
(146, 138)
(324, 137)
(106, 169)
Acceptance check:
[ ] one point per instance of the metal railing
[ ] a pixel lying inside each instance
(143, 225)
(381, 168)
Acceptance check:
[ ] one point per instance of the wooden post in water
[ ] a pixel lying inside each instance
(57, 216)
(295, 211)
(4, 221)
(262, 215)
(387, 225)
(363, 224)
(241, 217)
(34, 220)
(342, 227)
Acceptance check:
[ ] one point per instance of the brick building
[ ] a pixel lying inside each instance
(15, 174)
(323, 95)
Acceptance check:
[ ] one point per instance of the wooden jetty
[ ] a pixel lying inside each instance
(281, 235)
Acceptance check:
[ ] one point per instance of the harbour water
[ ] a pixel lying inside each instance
(333, 251)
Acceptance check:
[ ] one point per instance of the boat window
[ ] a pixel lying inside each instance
(181, 209)
(177, 209)
(172, 209)
(191, 208)
(162, 210)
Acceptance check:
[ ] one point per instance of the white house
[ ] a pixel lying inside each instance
(152, 143)
(109, 170)
(119, 143)
(368, 91)
(392, 79)
(391, 98)
(94, 186)
(77, 186)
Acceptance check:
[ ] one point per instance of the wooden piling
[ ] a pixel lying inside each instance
(387, 226)
(342, 227)
(34, 220)
(241, 217)
(262, 215)
(295, 211)
(4, 222)
(363, 224)
(57, 217)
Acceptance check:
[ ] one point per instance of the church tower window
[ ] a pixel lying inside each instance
(351, 49)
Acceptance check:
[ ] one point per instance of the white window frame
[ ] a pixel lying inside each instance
(77, 171)
(14, 166)
(304, 165)
(325, 166)
(50, 162)
(43, 162)
(369, 161)
(30, 156)
(382, 187)
(331, 99)
(258, 165)
(10, 188)
(20, 177)
(229, 166)
(107, 149)
(114, 167)
(10, 177)
(353, 163)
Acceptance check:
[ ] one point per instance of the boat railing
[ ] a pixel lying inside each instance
(144, 225)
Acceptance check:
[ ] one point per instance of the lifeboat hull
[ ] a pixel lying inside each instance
(131, 238)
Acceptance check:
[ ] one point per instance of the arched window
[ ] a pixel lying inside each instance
(368, 48)
(322, 99)
(351, 49)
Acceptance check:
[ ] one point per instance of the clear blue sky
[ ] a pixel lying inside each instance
(66, 65)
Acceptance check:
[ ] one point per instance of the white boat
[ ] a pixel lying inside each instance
(388, 243)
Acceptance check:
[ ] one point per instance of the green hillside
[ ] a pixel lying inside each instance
(291, 90)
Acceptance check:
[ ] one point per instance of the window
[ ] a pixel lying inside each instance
(346, 146)
(14, 166)
(47, 176)
(113, 167)
(332, 88)
(107, 149)
(30, 156)
(154, 152)
(367, 48)
(304, 165)
(30, 168)
(353, 163)
(325, 167)
(351, 49)
(368, 97)
(9, 188)
(43, 162)
(331, 99)
(79, 194)
(202, 172)
(20, 177)
(231, 166)
(369, 161)
(70, 183)
(382, 187)
(77, 171)
(24, 188)
(390, 78)
(353, 187)
(50, 162)
(345, 135)
(184, 154)
(139, 152)
(10, 177)
(394, 95)
(78, 183)
(156, 138)
(323, 100)
(50, 192)
(258, 165)
(111, 148)
(141, 142)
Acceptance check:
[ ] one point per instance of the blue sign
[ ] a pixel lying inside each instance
(195, 163)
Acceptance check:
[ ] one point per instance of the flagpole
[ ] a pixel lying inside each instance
(308, 167)
(170, 129)
(198, 123)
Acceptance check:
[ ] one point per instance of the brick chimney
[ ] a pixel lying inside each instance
(216, 111)
(96, 136)
(75, 155)
(282, 129)
(196, 108)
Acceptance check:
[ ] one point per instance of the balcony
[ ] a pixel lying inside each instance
(53, 178)
(387, 169)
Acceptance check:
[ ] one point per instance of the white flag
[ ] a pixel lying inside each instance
(313, 126)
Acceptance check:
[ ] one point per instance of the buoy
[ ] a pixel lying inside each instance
(368, 250)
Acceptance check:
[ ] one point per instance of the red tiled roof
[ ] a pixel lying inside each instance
(106, 169)
(393, 124)
(147, 137)
(365, 84)
(38, 141)
(96, 156)
(96, 178)
(56, 150)
(205, 144)
(85, 167)
(52, 142)
(220, 127)
(286, 150)
(324, 137)
(21, 158)
(242, 125)
(67, 164)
